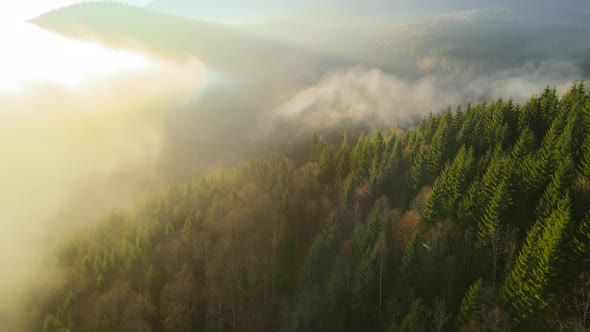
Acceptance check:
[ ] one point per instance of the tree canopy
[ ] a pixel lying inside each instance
(476, 219)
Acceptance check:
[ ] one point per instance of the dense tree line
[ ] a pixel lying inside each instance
(478, 219)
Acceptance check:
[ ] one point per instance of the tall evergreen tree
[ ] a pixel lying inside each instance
(449, 187)
(343, 158)
(584, 166)
(524, 145)
(561, 183)
(582, 243)
(472, 306)
(324, 247)
(491, 226)
(436, 153)
(529, 288)
(417, 170)
(327, 172)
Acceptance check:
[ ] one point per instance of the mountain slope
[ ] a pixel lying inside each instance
(217, 124)
(477, 41)
(222, 10)
(475, 220)
(248, 10)
(217, 45)
(447, 43)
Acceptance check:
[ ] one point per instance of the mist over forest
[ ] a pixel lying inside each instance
(266, 66)
(296, 165)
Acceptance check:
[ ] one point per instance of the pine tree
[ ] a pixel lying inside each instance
(472, 305)
(417, 170)
(320, 253)
(561, 183)
(436, 153)
(415, 318)
(465, 132)
(407, 269)
(549, 102)
(584, 165)
(530, 117)
(535, 171)
(327, 171)
(433, 209)
(343, 158)
(337, 298)
(582, 243)
(467, 211)
(378, 146)
(495, 129)
(286, 263)
(528, 290)
(573, 101)
(491, 225)
(524, 145)
(358, 156)
(449, 187)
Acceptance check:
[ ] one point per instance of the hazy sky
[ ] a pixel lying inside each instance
(65, 61)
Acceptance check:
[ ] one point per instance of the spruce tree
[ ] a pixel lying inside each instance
(535, 171)
(472, 305)
(436, 153)
(582, 243)
(449, 187)
(417, 170)
(343, 158)
(524, 145)
(584, 165)
(529, 288)
(561, 183)
(490, 227)
(407, 269)
(358, 158)
(324, 247)
(415, 318)
(327, 171)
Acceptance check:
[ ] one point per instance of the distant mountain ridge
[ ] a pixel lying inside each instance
(446, 43)
(217, 45)
(221, 11)
(250, 10)
(262, 73)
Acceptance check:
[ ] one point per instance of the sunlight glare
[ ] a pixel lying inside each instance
(32, 55)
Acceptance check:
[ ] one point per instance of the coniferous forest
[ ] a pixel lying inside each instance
(475, 219)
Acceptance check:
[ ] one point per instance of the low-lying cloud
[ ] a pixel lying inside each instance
(69, 155)
(373, 98)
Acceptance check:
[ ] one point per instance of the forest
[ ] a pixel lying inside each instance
(474, 219)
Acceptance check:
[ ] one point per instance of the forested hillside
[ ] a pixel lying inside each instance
(475, 220)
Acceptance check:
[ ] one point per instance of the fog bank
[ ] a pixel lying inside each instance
(372, 98)
(71, 154)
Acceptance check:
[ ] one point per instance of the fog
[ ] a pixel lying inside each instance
(72, 154)
(373, 99)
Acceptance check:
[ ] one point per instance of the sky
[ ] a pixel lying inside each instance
(64, 61)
